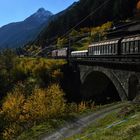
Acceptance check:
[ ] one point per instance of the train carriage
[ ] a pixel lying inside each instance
(130, 45)
(82, 53)
(54, 53)
(108, 47)
(62, 52)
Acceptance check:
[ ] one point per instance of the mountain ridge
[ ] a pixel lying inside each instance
(17, 34)
(114, 11)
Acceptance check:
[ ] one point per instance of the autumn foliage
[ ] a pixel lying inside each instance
(21, 113)
(138, 6)
(34, 96)
(138, 10)
(30, 93)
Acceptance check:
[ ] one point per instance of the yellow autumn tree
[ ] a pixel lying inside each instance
(56, 75)
(61, 42)
(12, 106)
(138, 10)
(45, 103)
(20, 113)
(99, 33)
(138, 5)
(56, 102)
(11, 132)
(12, 110)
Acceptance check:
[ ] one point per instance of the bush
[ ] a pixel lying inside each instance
(79, 108)
(44, 104)
(12, 110)
(12, 106)
(11, 131)
(20, 113)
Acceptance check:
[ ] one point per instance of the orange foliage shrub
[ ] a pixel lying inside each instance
(21, 113)
(56, 75)
(11, 131)
(138, 5)
(79, 108)
(12, 111)
(12, 106)
(99, 33)
(82, 106)
(44, 104)
(56, 100)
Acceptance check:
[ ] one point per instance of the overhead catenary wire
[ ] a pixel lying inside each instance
(85, 18)
(93, 12)
(51, 46)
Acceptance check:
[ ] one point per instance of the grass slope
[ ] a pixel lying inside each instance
(37, 131)
(122, 125)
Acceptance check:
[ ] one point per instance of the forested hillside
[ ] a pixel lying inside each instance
(17, 34)
(112, 10)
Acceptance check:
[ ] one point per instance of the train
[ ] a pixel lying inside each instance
(63, 52)
(129, 45)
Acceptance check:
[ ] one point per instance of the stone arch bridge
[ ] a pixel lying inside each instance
(108, 82)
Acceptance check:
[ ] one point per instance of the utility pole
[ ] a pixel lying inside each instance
(68, 51)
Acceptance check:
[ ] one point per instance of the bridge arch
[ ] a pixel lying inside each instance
(105, 78)
(133, 87)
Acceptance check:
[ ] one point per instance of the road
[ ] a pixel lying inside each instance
(78, 125)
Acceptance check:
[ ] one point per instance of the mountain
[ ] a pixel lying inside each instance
(19, 33)
(95, 13)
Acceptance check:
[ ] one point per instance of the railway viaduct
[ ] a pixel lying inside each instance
(108, 81)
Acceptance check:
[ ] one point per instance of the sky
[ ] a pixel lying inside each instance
(18, 10)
